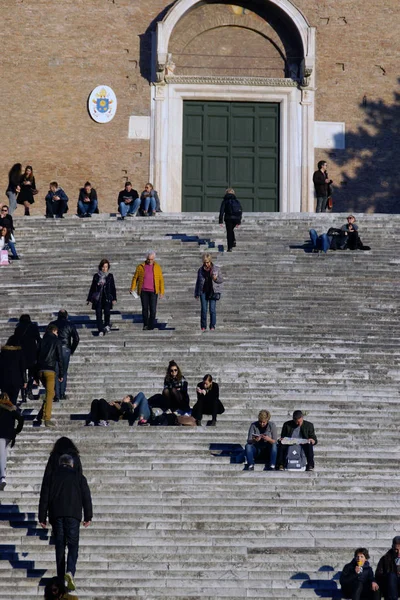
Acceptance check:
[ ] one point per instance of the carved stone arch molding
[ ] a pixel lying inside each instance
(294, 91)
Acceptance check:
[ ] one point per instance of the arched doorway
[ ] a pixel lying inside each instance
(233, 105)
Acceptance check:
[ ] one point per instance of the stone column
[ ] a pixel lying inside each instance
(307, 150)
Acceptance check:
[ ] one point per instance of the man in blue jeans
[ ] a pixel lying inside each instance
(87, 201)
(63, 498)
(262, 442)
(128, 201)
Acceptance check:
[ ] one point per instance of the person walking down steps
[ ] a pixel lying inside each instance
(103, 296)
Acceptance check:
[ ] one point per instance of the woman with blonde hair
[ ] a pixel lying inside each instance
(208, 289)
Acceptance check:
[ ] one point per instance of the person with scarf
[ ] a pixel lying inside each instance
(103, 296)
(9, 415)
(208, 289)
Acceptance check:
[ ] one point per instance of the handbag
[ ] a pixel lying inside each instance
(4, 260)
(329, 204)
(187, 421)
(215, 296)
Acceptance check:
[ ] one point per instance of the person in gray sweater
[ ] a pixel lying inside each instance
(262, 442)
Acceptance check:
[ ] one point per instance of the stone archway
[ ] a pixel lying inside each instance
(293, 89)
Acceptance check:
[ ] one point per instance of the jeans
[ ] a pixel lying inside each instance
(149, 202)
(87, 207)
(12, 201)
(129, 209)
(149, 307)
(11, 246)
(3, 457)
(48, 379)
(230, 233)
(142, 407)
(66, 533)
(99, 315)
(213, 312)
(322, 201)
(61, 386)
(253, 451)
(321, 242)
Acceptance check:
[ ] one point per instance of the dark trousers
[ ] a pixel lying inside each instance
(230, 233)
(176, 400)
(56, 208)
(205, 406)
(61, 386)
(392, 587)
(149, 307)
(66, 533)
(308, 451)
(100, 307)
(99, 410)
(361, 591)
(322, 201)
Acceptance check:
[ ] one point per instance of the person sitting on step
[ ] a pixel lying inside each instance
(7, 242)
(131, 408)
(208, 401)
(174, 397)
(298, 428)
(387, 572)
(338, 239)
(262, 442)
(149, 201)
(56, 201)
(128, 201)
(357, 578)
(87, 201)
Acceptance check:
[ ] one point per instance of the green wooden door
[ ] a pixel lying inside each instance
(230, 144)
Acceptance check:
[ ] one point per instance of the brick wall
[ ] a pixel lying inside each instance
(54, 53)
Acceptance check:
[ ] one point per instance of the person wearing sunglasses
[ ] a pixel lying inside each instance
(6, 219)
(175, 392)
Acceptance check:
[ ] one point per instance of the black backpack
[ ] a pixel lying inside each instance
(233, 208)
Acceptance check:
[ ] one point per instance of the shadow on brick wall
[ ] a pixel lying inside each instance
(374, 149)
(146, 43)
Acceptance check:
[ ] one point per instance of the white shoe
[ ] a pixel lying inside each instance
(107, 328)
(69, 582)
(101, 333)
(103, 423)
(90, 424)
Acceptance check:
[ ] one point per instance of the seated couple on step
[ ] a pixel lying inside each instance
(263, 444)
(172, 402)
(346, 237)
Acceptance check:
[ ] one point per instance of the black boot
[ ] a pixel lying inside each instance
(23, 394)
(27, 213)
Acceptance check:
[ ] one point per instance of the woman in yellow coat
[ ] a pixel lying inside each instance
(148, 282)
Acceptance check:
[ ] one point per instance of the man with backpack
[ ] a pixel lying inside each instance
(231, 213)
(298, 428)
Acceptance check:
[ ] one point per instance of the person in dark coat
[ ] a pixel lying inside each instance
(6, 219)
(29, 339)
(357, 578)
(230, 212)
(69, 339)
(298, 428)
(49, 363)
(63, 445)
(103, 296)
(87, 201)
(322, 185)
(387, 572)
(208, 401)
(12, 368)
(9, 416)
(27, 189)
(63, 501)
(13, 187)
(57, 590)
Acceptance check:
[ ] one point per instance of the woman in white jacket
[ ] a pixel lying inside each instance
(7, 242)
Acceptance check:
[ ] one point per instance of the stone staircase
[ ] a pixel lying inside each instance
(294, 330)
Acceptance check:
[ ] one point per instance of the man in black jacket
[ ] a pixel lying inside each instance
(50, 361)
(230, 212)
(9, 415)
(298, 428)
(69, 339)
(387, 572)
(63, 500)
(321, 184)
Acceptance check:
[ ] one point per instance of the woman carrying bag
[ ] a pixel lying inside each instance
(103, 296)
(208, 289)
